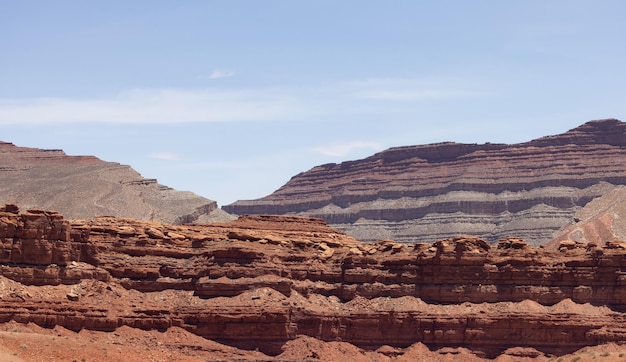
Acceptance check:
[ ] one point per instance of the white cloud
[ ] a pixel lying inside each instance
(335, 101)
(344, 149)
(167, 156)
(414, 89)
(222, 73)
(153, 106)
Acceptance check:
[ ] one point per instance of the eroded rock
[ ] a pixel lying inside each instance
(318, 282)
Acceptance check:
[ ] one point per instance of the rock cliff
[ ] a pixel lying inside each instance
(422, 193)
(51, 179)
(263, 282)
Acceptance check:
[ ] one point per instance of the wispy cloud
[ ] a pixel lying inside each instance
(167, 156)
(334, 101)
(414, 89)
(153, 106)
(345, 149)
(222, 73)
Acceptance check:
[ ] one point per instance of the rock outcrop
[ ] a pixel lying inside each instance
(601, 222)
(51, 179)
(422, 193)
(262, 282)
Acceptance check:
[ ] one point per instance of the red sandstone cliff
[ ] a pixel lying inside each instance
(263, 282)
(53, 180)
(422, 193)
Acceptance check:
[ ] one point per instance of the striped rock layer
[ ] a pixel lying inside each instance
(262, 282)
(422, 193)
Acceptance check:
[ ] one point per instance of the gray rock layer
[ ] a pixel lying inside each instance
(430, 192)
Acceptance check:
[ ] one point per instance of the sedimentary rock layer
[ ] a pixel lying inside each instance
(52, 180)
(429, 192)
(600, 221)
(261, 281)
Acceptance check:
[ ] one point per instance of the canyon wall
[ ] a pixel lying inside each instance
(52, 180)
(422, 193)
(262, 281)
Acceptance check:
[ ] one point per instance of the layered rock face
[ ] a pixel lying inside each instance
(601, 221)
(263, 281)
(52, 180)
(422, 193)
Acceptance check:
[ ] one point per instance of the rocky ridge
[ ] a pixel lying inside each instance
(52, 180)
(421, 193)
(263, 282)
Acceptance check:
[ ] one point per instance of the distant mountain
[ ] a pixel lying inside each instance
(429, 192)
(85, 186)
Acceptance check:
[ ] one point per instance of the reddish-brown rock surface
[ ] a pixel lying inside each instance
(601, 222)
(429, 192)
(52, 180)
(295, 289)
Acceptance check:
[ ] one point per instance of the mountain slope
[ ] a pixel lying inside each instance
(429, 192)
(601, 222)
(85, 186)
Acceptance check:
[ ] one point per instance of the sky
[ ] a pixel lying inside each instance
(231, 98)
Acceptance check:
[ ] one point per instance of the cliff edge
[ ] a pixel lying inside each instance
(267, 283)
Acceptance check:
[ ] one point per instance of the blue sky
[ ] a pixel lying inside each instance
(230, 99)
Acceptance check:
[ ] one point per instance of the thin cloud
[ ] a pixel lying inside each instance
(385, 89)
(345, 149)
(342, 100)
(154, 106)
(222, 73)
(167, 156)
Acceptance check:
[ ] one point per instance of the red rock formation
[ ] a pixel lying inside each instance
(429, 192)
(262, 281)
(600, 222)
(51, 179)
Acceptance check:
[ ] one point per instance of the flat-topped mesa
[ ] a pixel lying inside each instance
(51, 179)
(428, 192)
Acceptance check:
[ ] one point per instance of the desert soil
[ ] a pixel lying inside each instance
(31, 343)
